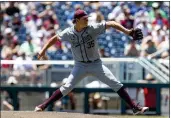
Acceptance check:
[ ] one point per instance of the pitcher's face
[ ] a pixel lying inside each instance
(83, 21)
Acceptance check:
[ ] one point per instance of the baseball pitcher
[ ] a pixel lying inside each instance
(83, 38)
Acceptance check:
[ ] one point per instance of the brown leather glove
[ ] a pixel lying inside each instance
(136, 34)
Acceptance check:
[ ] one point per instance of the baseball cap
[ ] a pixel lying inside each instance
(149, 40)
(79, 14)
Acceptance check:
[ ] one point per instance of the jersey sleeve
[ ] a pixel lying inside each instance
(64, 35)
(99, 28)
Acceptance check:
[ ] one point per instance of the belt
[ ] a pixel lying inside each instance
(89, 61)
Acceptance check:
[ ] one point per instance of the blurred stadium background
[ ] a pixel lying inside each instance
(27, 26)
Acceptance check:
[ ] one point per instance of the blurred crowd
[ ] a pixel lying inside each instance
(26, 27)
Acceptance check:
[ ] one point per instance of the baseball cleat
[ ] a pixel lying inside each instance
(139, 110)
(38, 109)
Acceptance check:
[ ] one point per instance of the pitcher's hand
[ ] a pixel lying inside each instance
(41, 55)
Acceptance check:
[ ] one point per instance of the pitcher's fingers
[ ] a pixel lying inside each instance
(39, 56)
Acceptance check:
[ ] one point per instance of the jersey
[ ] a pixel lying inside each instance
(84, 44)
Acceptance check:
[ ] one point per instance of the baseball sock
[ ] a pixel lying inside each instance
(124, 95)
(55, 96)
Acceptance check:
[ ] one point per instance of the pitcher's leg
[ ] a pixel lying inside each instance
(55, 96)
(70, 83)
(106, 76)
(76, 75)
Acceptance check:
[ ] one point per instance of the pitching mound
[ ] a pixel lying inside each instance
(32, 114)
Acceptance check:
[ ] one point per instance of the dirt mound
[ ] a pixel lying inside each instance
(32, 114)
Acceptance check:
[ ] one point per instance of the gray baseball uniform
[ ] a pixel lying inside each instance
(86, 55)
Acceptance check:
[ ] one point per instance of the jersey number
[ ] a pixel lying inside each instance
(90, 44)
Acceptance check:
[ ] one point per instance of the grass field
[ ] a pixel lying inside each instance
(32, 114)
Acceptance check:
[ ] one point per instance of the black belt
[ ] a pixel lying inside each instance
(89, 61)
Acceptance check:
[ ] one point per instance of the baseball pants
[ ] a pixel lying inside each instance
(96, 69)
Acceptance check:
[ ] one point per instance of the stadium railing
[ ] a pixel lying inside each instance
(16, 89)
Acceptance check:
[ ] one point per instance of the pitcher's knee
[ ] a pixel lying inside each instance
(117, 86)
(65, 89)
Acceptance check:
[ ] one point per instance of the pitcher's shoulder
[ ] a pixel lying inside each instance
(67, 30)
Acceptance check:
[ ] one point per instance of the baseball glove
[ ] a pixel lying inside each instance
(136, 34)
